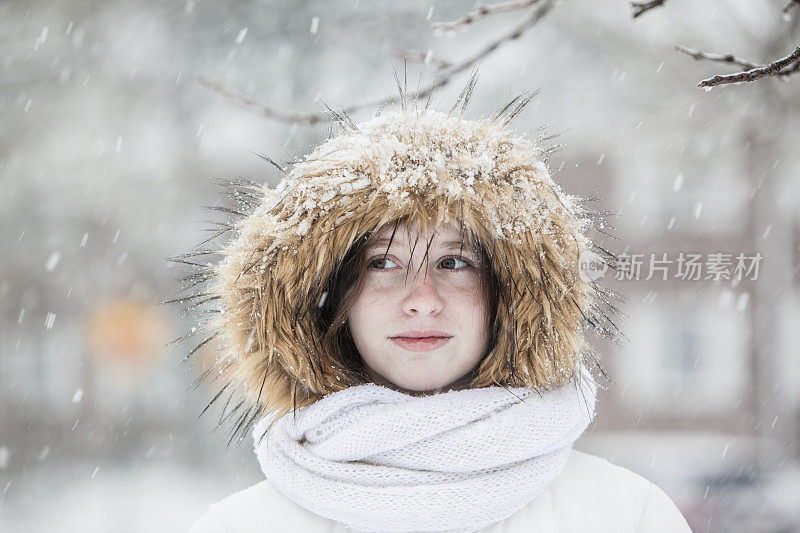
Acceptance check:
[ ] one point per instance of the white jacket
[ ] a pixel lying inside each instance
(590, 496)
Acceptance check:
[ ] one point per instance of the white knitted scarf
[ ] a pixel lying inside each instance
(376, 459)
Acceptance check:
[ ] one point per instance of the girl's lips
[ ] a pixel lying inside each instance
(420, 344)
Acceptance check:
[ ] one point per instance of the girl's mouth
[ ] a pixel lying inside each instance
(420, 344)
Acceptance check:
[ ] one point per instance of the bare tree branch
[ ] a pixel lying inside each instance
(442, 78)
(480, 12)
(791, 70)
(514, 34)
(775, 68)
(641, 7)
(723, 58)
(309, 118)
(241, 100)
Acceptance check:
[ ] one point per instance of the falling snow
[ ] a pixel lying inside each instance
(113, 138)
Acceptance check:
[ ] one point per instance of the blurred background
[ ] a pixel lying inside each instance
(109, 140)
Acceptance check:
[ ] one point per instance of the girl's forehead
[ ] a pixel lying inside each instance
(402, 234)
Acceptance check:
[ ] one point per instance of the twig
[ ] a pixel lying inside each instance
(298, 117)
(774, 68)
(235, 97)
(644, 6)
(514, 34)
(791, 70)
(442, 78)
(420, 56)
(480, 12)
(723, 58)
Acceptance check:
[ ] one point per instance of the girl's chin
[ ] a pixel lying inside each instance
(420, 385)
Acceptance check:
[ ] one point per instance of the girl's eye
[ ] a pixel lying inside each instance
(453, 263)
(382, 263)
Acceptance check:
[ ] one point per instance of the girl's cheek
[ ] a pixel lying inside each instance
(381, 282)
(467, 282)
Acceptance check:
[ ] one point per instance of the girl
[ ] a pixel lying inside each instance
(404, 316)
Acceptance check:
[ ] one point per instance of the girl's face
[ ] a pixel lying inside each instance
(420, 323)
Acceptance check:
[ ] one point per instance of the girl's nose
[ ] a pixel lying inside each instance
(422, 297)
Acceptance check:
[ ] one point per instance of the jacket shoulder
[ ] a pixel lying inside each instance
(660, 514)
(614, 491)
(593, 494)
(209, 522)
(599, 474)
(258, 508)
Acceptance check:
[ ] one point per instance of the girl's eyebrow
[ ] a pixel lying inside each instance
(383, 242)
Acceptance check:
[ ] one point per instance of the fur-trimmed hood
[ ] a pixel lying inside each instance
(406, 164)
